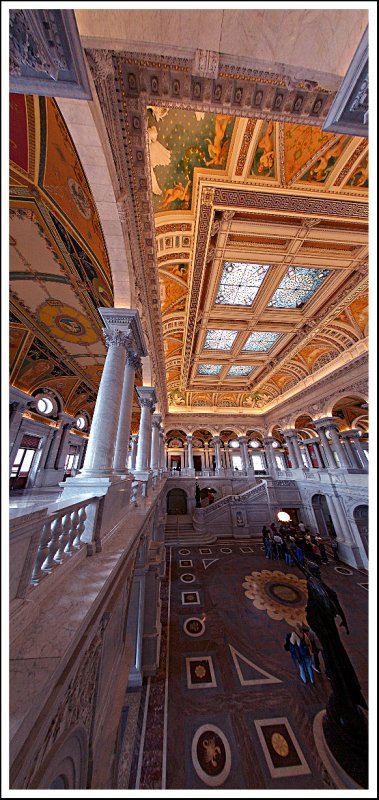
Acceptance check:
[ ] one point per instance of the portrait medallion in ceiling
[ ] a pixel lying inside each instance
(59, 269)
(258, 308)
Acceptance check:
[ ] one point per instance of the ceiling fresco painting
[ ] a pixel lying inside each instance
(59, 269)
(264, 158)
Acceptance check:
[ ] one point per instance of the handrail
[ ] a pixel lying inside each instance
(231, 497)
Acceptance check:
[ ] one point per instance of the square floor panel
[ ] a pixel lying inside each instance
(200, 672)
(281, 749)
(190, 598)
(185, 562)
(205, 551)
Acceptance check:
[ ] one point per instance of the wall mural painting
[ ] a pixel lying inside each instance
(311, 353)
(180, 141)
(263, 165)
(59, 269)
(301, 142)
(322, 167)
(359, 178)
(359, 310)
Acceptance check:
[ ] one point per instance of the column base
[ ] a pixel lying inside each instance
(142, 474)
(339, 776)
(87, 484)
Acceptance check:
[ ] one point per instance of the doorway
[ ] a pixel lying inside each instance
(176, 463)
(323, 518)
(176, 502)
(197, 463)
(361, 521)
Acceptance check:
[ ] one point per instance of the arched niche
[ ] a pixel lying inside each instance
(176, 501)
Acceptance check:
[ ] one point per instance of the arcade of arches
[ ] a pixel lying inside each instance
(188, 228)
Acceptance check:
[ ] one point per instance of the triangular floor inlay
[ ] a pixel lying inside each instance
(266, 676)
(208, 561)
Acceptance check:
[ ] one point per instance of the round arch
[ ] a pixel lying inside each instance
(323, 517)
(176, 500)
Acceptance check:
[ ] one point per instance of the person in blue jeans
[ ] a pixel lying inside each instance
(300, 655)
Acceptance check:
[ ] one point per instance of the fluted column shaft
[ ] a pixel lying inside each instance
(132, 363)
(102, 439)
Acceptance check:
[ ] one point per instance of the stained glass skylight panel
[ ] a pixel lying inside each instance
(239, 283)
(240, 371)
(261, 341)
(217, 339)
(297, 286)
(209, 369)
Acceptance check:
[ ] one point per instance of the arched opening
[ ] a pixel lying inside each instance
(176, 502)
(361, 521)
(323, 518)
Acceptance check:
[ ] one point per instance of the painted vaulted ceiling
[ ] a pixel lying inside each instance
(59, 269)
(264, 319)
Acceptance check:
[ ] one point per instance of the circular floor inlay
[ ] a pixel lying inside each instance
(184, 552)
(343, 570)
(284, 593)
(194, 626)
(187, 577)
(211, 755)
(225, 550)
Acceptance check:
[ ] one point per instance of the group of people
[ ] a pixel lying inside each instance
(282, 542)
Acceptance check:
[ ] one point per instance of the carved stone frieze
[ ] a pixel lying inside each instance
(77, 704)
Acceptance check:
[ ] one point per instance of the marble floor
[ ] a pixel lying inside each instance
(228, 709)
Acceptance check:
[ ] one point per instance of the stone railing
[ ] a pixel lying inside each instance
(79, 617)
(203, 518)
(42, 541)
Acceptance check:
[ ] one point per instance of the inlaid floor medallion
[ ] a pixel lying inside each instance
(187, 577)
(190, 599)
(211, 755)
(200, 672)
(282, 595)
(194, 626)
(343, 570)
(281, 749)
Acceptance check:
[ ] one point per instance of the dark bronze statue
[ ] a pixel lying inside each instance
(345, 725)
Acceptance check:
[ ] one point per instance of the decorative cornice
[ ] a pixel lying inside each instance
(246, 199)
(46, 41)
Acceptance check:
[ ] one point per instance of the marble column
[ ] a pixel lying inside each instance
(326, 448)
(17, 409)
(353, 458)
(248, 467)
(337, 444)
(147, 399)
(307, 454)
(102, 440)
(206, 456)
(156, 422)
(134, 452)
(270, 457)
(162, 454)
(132, 363)
(289, 438)
(355, 439)
(190, 467)
(216, 443)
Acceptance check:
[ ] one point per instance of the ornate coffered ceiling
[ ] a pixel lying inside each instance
(251, 227)
(59, 269)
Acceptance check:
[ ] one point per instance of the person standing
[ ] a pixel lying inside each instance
(321, 546)
(334, 546)
(300, 655)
